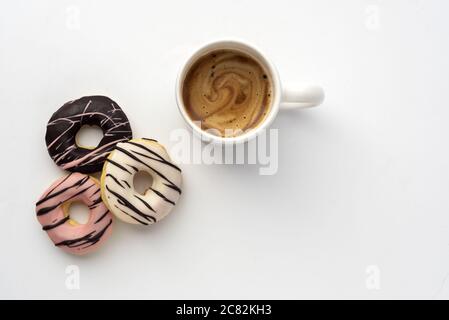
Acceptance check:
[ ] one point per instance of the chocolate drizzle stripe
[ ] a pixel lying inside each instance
(52, 195)
(46, 210)
(147, 150)
(145, 164)
(115, 179)
(62, 181)
(131, 216)
(117, 165)
(124, 202)
(161, 161)
(57, 224)
(96, 202)
(132, 167)
(162, 196)
(146, 204)
(49, 209)
(173, 187)
(102, 217)
(90, 238)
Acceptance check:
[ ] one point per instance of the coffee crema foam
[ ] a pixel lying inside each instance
(227, 90)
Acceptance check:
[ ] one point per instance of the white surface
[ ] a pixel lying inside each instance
(363, 180)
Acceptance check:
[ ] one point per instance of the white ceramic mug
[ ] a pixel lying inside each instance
(288, 96)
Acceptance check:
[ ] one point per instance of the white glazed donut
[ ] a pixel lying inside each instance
(117, 178)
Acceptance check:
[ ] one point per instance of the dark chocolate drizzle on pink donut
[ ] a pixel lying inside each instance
(74, 187)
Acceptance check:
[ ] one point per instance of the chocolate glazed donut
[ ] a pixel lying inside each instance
(68, 120)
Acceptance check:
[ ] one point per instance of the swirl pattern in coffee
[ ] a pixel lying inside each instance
(228, 91)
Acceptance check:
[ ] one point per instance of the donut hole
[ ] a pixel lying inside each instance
(78, 213)
(89, 137)
(142, 182)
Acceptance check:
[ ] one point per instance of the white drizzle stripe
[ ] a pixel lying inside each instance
(65, 123)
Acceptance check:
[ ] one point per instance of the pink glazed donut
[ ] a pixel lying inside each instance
(52, 211)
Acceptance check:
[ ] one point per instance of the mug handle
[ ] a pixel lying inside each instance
(296, 96)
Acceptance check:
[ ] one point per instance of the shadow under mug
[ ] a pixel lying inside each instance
(286, 97)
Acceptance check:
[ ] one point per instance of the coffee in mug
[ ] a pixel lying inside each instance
(228, 91)
(233, 88)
